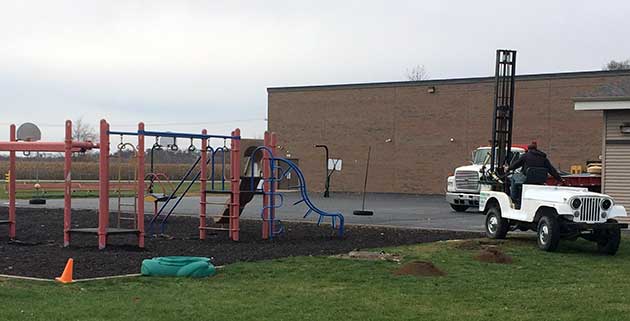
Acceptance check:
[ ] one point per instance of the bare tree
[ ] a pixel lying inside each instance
(82, 131)
(418, 72)
(618, 65)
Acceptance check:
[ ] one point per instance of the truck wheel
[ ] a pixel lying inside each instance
(496, 226)
(459, 208)
(608, 241)
(548, 233)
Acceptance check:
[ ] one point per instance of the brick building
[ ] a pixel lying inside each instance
(421, 130)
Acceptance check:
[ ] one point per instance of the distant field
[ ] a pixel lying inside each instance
(58, 193)
(82, 170)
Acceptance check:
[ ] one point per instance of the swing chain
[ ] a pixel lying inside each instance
(192, 147)
(157, 145)
(121, 146)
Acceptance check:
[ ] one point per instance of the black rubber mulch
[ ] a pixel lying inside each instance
(39, 251)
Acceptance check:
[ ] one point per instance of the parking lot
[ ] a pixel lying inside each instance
(401, 210)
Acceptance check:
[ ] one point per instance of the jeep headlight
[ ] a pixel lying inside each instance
(576, 203)
(606, 204)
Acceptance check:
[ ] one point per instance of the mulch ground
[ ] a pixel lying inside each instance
(39, 251)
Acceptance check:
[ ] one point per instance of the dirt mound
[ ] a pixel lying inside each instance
(419, 268)
(491, 254)
(371, 256)
(473, 245)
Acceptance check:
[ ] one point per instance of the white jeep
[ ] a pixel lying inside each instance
(555, 212)
(462, 189)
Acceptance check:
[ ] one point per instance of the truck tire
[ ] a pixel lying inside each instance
(608, 241)
(496, 226)
(459, 208)
(548, 233)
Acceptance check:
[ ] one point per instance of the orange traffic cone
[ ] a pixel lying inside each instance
(66, 276)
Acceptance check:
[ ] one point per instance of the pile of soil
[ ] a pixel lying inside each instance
(40, 251)
(474, 245)
(371, 256)
(492, 254)
(419, 268)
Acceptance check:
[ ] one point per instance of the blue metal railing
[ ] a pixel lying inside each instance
(278, 174)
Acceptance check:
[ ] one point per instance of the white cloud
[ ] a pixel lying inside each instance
(210, 61)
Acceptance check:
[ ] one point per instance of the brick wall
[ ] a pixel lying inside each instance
(420, 124)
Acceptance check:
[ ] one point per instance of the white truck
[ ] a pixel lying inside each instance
(462, 188)
(555, 212)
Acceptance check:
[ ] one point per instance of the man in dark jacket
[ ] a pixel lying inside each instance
(532, 159)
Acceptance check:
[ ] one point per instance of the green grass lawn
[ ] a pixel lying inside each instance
(575, 284)
(53, 194)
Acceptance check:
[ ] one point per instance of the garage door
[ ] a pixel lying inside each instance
(617, 175)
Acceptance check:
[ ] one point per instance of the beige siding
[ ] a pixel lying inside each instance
(617, 176)
(615, 118)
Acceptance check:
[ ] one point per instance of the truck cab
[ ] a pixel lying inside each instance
(463, 188)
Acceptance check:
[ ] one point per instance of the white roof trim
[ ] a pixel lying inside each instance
(602, 105)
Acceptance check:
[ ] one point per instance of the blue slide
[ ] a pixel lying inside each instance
(336, 217)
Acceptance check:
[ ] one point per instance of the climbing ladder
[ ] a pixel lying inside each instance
(121, 213)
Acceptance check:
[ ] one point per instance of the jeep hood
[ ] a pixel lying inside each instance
(556, 194)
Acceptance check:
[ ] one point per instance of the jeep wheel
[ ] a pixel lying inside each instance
(608, 241)
(548, 233)
(496, 226)
(459, 208)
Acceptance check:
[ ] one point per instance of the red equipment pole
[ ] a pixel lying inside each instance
(12, 178)
(266, 187)
(203, 182)
(67, 178)
(103, 194)
(140, 191)
(235, 159)
(45, 146)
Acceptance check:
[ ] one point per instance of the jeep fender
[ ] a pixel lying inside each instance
(490, 198)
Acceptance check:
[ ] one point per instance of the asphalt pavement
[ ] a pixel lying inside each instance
(400, 210)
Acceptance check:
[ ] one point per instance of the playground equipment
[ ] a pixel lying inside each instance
(241, 189)
(103, 229)
(28, 141)
(167, 209)
(244, 188)
(272, 174)
(188, 266)
(130, 183)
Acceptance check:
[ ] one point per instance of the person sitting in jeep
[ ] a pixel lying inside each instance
(534, 160)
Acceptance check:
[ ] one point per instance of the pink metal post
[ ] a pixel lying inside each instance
(266, 187)
(67, 190)
(274, 174)
(12, 178)
(103, 194)
(203, 182)
(235, 168)
(45, 146)
(140, 191)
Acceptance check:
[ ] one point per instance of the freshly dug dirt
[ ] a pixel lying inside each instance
(474, 245)
(371, 256)
(492, 254)
(40, 251)
(419, 268)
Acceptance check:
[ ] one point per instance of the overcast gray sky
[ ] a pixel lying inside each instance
(184, 65)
